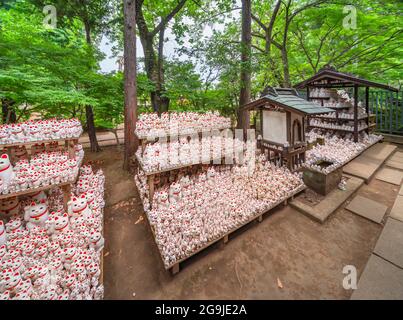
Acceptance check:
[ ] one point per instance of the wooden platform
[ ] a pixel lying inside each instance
(367, 164)
(174, 268)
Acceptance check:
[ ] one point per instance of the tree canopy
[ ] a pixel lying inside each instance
(56, 72)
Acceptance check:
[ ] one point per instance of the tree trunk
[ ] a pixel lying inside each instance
(163, 100)
(246, 64)
(155, 73)
(87, 32)
(8, 112)
(286, 69)
(131, 141)
(89, 114)
(284, 50)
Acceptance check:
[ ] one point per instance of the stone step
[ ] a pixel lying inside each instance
(367, 164)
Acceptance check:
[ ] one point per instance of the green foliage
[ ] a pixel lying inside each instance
(56, 71)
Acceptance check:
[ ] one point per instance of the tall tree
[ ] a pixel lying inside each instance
(93, 15)
(246, 46)
(131, 142)
(154, 61)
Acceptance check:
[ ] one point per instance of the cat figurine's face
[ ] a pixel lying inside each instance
(4, 162)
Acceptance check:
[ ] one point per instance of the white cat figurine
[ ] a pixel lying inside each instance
(78, 206)
(97, 241)
(6, 170)
(36, 214)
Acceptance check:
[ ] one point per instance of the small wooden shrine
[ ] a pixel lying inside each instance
(347, 115)
(280, 124)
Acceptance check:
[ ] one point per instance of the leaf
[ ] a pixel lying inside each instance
(279, 284)
(139, 220)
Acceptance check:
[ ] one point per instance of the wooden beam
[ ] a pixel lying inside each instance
(71, 147)
(367, 104)
(288, 123)
(151, 189)
(66, 196)
(356, 113)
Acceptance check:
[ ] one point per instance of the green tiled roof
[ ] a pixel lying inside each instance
(294, 102)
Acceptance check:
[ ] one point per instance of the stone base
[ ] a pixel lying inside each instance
(322, 183)
(333, 201)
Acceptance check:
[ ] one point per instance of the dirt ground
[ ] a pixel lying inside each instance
(305, 256)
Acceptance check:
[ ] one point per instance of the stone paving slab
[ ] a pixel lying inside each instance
(390, 243)
(397, 209)
(396, 161)
(379, 280)
(365, 165)
(395, 164)
(367, 208)
(390, 176)
(330, 203)
(397, 156)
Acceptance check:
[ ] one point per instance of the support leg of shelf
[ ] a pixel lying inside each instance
(71, 148)
(66, 195)
(175, 269)
(143, 146)
(151, 188)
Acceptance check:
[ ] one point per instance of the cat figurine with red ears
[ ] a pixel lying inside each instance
(78, 206)
(36, 214)
(97, 241)
(6, 170)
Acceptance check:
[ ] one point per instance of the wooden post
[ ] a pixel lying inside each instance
(71, 149)
(66, 196)
(175, 269)
(151, 189)
(307, 93)
(367, 105)
(355, 113)
(290, 143)
(143, 146)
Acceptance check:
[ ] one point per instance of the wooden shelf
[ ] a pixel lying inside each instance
(177, 167)
(32, 190)
(339, 108)
(181, 134)
(338, 119)
(8, 145)
(341, 130)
